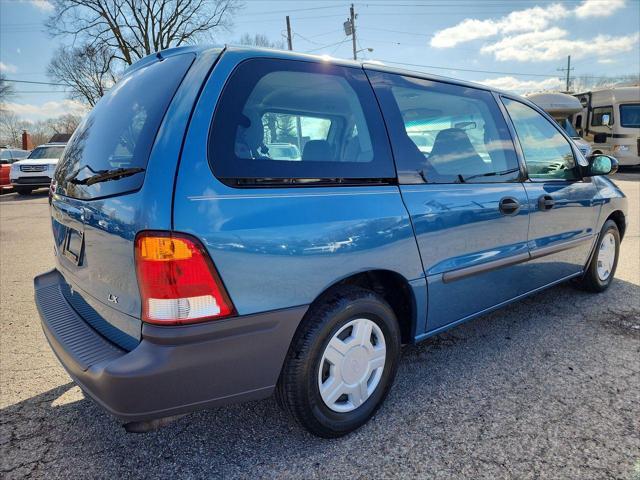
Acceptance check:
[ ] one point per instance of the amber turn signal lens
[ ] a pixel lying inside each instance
(163, 249)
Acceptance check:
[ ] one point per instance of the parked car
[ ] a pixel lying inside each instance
(193, 271)
(7, 157)
(37, 169)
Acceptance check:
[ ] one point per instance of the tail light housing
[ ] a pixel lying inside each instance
(178, 282)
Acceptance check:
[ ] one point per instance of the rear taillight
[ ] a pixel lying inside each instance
(178, 281)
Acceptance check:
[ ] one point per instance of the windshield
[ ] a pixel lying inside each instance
(567, 127)
(630, 115)
(119, 132)
(47, 152)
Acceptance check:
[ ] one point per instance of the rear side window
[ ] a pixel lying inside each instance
(283, 121)
(444, 133)
(118, 134)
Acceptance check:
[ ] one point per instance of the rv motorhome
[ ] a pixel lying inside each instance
(610, 121)
(561, 107)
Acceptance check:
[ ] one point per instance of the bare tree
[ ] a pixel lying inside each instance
(260, 40)
(66, 123)
(132, 29)
(587, 82)
(40, 131)
(87, 70)
(11, 127)
(6, 91)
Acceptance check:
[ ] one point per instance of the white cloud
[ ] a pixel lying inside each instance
(43, 5)
(598, 8)
(523, 86)
(552, 44)
(32, 112)
(607, 61)
(530, 19)
(8, 68)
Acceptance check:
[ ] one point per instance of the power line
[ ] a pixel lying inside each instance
(436, 67)
(37, 83)
(494, 72)
(20, 92)
(327, 46)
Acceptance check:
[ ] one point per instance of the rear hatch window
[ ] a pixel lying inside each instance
(109, 151)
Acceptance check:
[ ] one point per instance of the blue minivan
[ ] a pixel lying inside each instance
(197, 267)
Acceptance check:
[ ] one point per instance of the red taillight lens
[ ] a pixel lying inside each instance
(178, 282)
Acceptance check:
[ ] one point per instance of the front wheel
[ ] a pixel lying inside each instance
(602, 268)
(342, 362)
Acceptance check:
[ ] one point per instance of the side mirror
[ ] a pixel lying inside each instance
(605, 119)
(600, 138)
(601, 165)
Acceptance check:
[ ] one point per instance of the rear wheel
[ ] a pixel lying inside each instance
(602, 268)
(24, 190)
(342, 362)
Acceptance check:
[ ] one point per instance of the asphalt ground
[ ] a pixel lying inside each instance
(545, 388)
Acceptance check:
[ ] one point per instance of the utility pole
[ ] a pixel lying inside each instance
(353, 31)
(289, 41)
(568, 70)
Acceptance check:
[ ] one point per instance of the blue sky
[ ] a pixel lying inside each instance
(525, 42)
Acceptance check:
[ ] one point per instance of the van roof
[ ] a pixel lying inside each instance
(250, 51)
(369, 64)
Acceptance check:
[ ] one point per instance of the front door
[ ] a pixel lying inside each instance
(563, 205)
(460, 181)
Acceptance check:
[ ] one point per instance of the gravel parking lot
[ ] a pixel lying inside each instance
(546, 388)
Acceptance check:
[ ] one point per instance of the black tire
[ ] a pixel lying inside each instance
(591, 281)
(298, 391)
(24, 190)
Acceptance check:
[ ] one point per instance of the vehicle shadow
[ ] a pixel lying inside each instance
(510, 384)
(11, 196)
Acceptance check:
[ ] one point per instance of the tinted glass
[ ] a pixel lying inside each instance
(596, 116)
(120, 130)
(47, 152)
(289, 121)
(630, 115)
(567, 127)
(444, 133)
(547, 153)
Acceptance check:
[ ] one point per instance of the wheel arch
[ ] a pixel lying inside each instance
(620, 220)
(393, 287)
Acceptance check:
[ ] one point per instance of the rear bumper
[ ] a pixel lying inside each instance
(173, 370)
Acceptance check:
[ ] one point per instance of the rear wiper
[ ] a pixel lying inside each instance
(106, 175)
(489, 174)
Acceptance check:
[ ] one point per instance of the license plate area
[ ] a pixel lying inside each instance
(73, 246)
